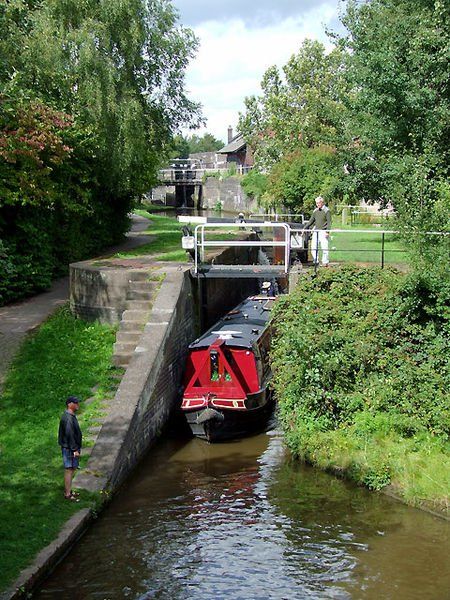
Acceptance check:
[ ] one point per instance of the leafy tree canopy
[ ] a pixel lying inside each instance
(116, 66)
(401, 113)
(205, 143)
(301, 107)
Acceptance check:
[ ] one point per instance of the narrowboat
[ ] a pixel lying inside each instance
(226, 384)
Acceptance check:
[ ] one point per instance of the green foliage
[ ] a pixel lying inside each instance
(182, 147)
(254, 184)
(400, 112)
(205, 143)
(361, 361)
(179, 147)
(302, 108)
(119, 68)
(298, 178)
(91, 94)
(66, 356)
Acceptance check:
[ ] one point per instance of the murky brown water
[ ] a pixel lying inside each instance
(241, 521)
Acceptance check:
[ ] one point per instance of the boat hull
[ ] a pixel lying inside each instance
(219, 425)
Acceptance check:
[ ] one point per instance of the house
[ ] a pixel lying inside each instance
(237, 151)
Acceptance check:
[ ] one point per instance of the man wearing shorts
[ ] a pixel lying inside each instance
(70, 439)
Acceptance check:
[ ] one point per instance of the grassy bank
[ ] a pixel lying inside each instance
(66, 356)
(355, 246)
(165, 240)
(362, 376)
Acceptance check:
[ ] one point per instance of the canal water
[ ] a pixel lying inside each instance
(242, 521)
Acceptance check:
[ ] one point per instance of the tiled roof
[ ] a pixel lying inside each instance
(237, 143)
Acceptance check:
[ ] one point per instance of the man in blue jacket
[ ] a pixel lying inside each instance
(70, 440)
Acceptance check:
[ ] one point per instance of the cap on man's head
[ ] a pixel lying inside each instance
(73, 399)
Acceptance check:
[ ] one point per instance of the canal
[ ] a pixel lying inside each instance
(243, 521)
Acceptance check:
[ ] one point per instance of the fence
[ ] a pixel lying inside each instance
(345, 245)
(280, 239)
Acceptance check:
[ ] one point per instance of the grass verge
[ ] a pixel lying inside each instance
(351, 246)
(165, 243)
(361, 372)
(65, 356)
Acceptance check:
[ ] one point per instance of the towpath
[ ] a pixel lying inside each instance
(19, 319)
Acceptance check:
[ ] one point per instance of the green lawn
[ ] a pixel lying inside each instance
(66, 356)
(349, 246)
(356, 247)
(164, 239)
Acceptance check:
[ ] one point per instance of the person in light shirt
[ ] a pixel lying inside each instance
(320, 223)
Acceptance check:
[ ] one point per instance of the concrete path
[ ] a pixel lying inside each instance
(20, 318)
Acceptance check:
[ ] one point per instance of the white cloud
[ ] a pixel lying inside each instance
(233, 57)
(254, 13)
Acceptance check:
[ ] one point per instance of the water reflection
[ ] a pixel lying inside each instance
(242, 521)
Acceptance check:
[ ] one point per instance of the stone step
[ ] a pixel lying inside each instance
(121, 360)
(129, 336)
(124, 348)
(143, 305)
(142, 285)
(135, 315)
(140, 294)
(94, 430)
(138, 275)
(133, 326)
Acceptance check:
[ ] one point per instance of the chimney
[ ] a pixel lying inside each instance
(230, 133)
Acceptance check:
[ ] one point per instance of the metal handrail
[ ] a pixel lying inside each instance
(277, 215)
(202, 243)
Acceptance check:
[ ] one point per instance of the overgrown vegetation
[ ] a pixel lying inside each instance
(360, 356)
(362, 373)
(90, 97)
(254, 184)
(66, 356)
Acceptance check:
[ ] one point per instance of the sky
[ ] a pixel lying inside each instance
(239, 41)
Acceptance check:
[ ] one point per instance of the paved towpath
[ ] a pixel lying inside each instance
(20, 318)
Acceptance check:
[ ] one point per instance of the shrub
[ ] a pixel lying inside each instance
(254, 184)
(362, 353)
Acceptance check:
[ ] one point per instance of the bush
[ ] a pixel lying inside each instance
(362, 355)
(254, 184)
(302, 176)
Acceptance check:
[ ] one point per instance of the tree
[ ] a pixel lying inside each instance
(206, 143)
(179, 147)
(118, 68)
(400, 111)
(298, 178)
(301, 108)
(91, 94)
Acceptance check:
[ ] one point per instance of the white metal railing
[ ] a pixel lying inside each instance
(193, 173)
(293, 238)
(276, 216)
(201, 243)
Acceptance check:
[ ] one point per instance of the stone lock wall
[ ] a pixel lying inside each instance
(98, 293)
(149, 389)
(229, 193)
